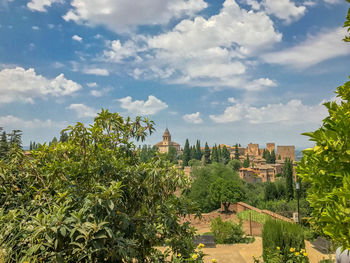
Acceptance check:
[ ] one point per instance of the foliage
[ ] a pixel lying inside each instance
(186, 155)
(275, 255)
(226, 192)
(286, 208)
(246, 162)
(288, 175)
(206, 154)
(235, 164)
(227, 232)
(171, 156)
(326, 167)
(277, 233)
(225, 156)
(92, 199)
(236, 152)
(275, 190)
(214, 154)
(198, 150)
(255, 216)
(3, 144)
(204, 177)
(147, 152)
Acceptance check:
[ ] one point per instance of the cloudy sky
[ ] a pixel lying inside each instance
(219, 71)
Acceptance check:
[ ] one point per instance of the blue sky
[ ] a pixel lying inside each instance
(219, 71)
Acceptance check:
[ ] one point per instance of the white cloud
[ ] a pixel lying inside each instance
(149, 107)
(35, 28)
(284, 9)
(96, 71)
(96, 93)
(291, 113)
(193, 118)
(211, 52)
(77, 38)
(20, 85)
(92, 84)
(13, 122)
(40, 5)
(231, 100)
(121, 15)
(315, 49)
(82, 110)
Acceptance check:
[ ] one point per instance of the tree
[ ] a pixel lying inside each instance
(172, 155)
(214, 154)
(186, 155)
(326, 168)
(219, 153)
(271, 192)
(91, 199)
(246, 162)
(3, 145)
(15, 138)
(288, 175)
(235, 164)
(63, 137)
(193, 153)
(226, 192)
(206, 154)
(225, 155)
(236, 152)
(272, 157)
(198, 150)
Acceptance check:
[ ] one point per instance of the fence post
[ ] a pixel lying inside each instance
(250, 223)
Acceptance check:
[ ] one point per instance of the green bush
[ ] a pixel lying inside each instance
(227, 232)
(256, 217)
(285, 235)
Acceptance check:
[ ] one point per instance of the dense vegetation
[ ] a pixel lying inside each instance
(227, 232)
(92, 198)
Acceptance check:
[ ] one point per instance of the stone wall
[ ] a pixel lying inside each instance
(286, 152)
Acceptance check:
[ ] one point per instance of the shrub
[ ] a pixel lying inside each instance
(256, 217)
(285, 235)
(227, 232)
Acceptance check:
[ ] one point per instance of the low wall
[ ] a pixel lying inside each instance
(240, 207)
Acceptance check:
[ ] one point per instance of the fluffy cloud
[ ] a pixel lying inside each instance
(96, 71)
(18, 84)
(293, 112)
(284, 9)
(315, 49)
(40, 5)
(13, 122)
(193, 118)
(77, 38)
(120, 15)
(149, 107)
(200, 52)
(82, 110)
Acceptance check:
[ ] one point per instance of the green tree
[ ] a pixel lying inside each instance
(219, 153)
(193, 153)
(172, 155)
(91, 199)
(235, 164)
(63, 137)
(3, 145)
(226, 192)
(198, 150)
(271, 192)
(186, 155)
(15, 138)
(206, 154)
(273, 157)
(288, 175)
(214, 154)
(225, 155)
(246, 162)
(326, 168)
(236, 152)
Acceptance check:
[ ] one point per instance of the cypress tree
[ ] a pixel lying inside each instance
(63, 137)
(225, 155)
(198, 150)
(273, 157)
(219, 153)
(3, 144)
(186, 154)
(214, 154)
(206, 154)
(288, 175)
(236, 152)
(246, 162)
(193, 153)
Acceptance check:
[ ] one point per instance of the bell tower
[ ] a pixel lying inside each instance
(166, 136)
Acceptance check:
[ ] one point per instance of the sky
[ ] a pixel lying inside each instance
(232, 71)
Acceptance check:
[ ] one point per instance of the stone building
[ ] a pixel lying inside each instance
(286, 152)
(166, 143)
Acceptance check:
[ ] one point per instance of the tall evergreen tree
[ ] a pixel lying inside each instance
(214, 154)
(206, 154)
(186, 156)
(30, 146)
(219, 153)
(193, 153)
(273, 157)
(236, 152)
(15, 138)
(246, 162)
(225, 155)
(63, 137)
(3, 144)
(288, 175)
(198, 150)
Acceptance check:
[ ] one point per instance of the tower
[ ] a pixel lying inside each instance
(166, 136)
